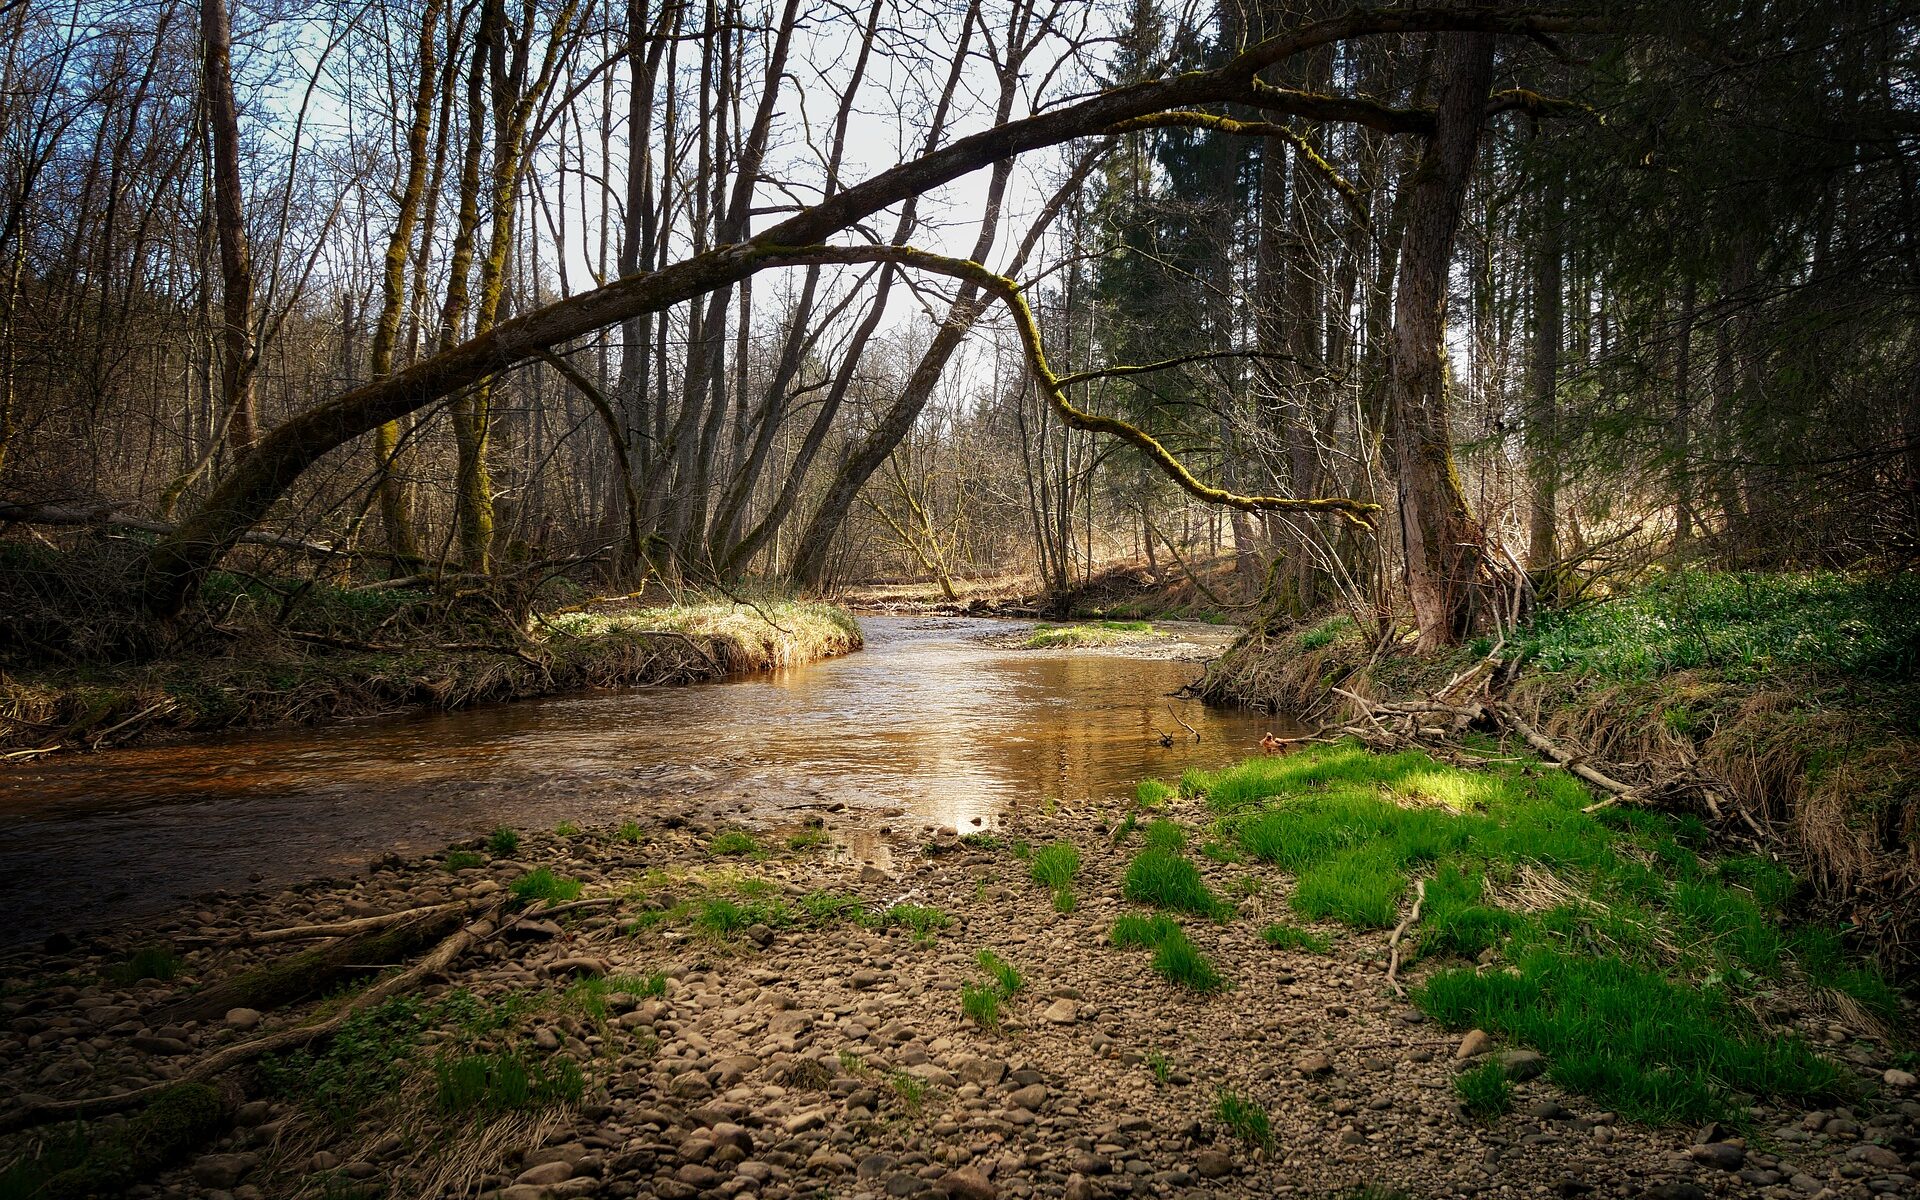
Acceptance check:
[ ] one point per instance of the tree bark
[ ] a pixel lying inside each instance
(230, 220)
(1542, 432)
(1443, 547)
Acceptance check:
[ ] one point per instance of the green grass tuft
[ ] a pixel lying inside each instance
(1282, 936)
(566, 829)
(543, 885)
(1243, 1118)
(1485, 1090)
(810, 838)
(1180, 961)
(463, 860)
(1133, 931)
(629, 832)
(501, 1083)
(148, 962)
(1054, 867)
(1166, 879)
(503, 842)
(1166, 835)
(730, 842)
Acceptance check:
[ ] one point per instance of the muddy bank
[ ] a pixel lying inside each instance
(276, 677)
(777, 1014)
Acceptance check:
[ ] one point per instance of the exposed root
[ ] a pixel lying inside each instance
(1399, 931)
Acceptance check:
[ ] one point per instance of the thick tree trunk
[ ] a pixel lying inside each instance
(1443, 547)
(230, 220)
(1542, 432)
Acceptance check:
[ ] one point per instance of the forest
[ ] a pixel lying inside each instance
(655, 598)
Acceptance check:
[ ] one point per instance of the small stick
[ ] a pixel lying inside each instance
(1190, 729)
(1393, 943)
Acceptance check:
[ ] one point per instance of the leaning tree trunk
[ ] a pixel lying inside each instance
(1443, 546)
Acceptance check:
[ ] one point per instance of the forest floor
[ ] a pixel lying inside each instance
(1209, 591)
(1186, 994)
(376, 653)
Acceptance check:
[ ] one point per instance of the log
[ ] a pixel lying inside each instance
(309, 972)
(1572, 764)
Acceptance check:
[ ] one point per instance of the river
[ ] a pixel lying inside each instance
(937, 721)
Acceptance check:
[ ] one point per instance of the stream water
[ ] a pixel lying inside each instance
(933, 722)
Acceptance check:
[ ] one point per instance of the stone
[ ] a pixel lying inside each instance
(802, 1122)
(726, 1133)
(1030, 1097)
(221, 1170)
(546, 1173)
(579, 964)
(1061, 1012)
(966, 1183)
(1677, 1190)
(1895, 1077)
(1523, 1065)
(253, 1113)
(1315, 1064)
(164, 1046)
(243, 1019)
(1477, 1042)
(1876, 1156)
(1212, 1164)
(984, 1071)
(1722, 1156)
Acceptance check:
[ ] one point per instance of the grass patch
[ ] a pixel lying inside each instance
(730, 843)
(1133, 931)
(1152, 793)
(1243, 1118)
(923, 920)
(464, 860)
(1485, 1090)
(566, 829)
(629, 833)
(1167, 879)
(1633, 953)
(157, 961)
(1005, 977)
(503, 841)
(724, 917)
(1182, 963)
(372, 1055)
(543, 885)
(500, 1083)
(1165, 835)
(1093, 633)
(1054, 866)
(1282, 936)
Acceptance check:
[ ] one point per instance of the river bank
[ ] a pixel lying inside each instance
(275, 676)
(1787, 703)
(813, 1007)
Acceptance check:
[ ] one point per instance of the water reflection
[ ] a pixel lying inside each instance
(930, 719)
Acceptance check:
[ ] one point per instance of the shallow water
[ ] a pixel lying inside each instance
(931, 718)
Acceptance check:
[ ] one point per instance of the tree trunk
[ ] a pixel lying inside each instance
(236, 265)
(1542, 433)
(1444, 548)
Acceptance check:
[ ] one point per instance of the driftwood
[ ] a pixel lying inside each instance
(225, 1059)
(309, 972)
(1571, 763)
(298, 933)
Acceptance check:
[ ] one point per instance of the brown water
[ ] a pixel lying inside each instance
(930, 718)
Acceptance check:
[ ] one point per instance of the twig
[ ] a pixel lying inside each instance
(1393, 943)
(1183, 724)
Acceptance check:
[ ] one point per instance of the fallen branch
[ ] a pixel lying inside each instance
(1393, 943)
(221, 1061)
(1571, 763)
(1183, 724)
(297, 933)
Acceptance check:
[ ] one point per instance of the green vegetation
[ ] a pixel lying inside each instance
(924, 920)
(1160, 1065)
(981, 1004)
(372, 1054)
(157, 961)
(1282, 936)
(1132, 930)
(1167, 879)
(463, 860)
(1005, 976)
(1629, 954)
(1485, 1090)
(1166, 835)
(722, 918)
(1327, 632)
(503, 841)
(1243, 1118)
(810, 838)
(1742, 625)
(1152, 793)
(1095, 633)
(1054, 867)
(911, 1090)
(629, 832)
(730, 842)
(566, 829)
(77, 1161)
(489, 1084)
(543, 885)
(984, 840)
(1181, 962)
